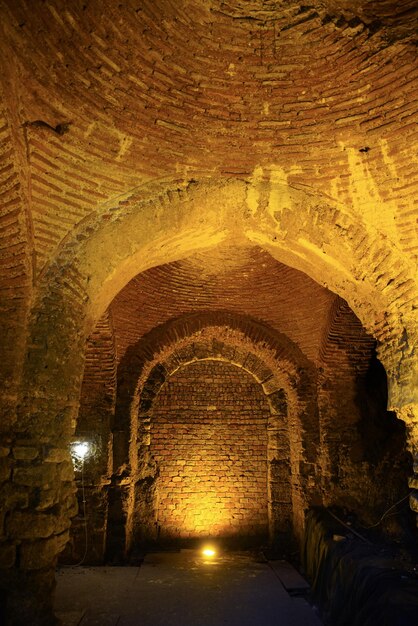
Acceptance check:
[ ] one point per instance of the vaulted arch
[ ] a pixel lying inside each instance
(335, 250)
(107, 251)
(286, 378)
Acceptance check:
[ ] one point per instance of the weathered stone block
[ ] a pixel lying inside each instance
(279, 471)
(71, 509)
(25, 453)
(15, 497)
(42, 553)
(5, 468)
(47, 499)
(57, 455)
(413, 502)
(271, 386)
(27, 525)
(276, 398)
(7, 555)
(413, 482)
(35, 475)
(66, 471)
(62, 540)
(38, 555)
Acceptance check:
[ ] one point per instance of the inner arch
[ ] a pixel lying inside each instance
(209, 440)
(237, 303)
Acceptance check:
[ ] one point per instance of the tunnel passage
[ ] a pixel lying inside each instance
(314, 378)
(251, 373)
(209, 440)
(145, 136)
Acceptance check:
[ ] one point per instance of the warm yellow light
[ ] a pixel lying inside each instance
(208, 552)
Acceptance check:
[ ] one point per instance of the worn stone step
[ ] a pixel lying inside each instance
(290, 578)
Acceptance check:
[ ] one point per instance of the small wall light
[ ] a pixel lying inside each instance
(80, 450)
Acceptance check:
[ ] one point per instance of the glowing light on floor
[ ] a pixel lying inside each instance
(209, 551)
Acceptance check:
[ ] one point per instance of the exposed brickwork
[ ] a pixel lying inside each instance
(243, 352)
(256, 158)
(15, 265)
(345, 344)
(240, 280)
(328, 78)
(360, 438)
(209, 440)
(98, 393)
(269, 356)
(381, 260)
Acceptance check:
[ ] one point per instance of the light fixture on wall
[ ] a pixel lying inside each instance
(80, 450)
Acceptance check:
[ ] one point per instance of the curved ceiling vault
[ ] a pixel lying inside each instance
(242, 280)
(123, 106)
(242, 289)
(166, 161)
(112, 96)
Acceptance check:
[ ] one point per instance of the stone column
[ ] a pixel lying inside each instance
(410, 415)
(279, 472)
(37, 502)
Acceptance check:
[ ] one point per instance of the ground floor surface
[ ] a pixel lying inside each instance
(185, 588)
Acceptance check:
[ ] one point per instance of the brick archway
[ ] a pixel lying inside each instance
(278, 450)
(106, 252)
(286, 377)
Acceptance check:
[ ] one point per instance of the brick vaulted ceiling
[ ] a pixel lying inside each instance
(103, 101)
(111, 95)
(244, 281)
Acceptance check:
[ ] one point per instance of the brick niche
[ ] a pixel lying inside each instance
(209, 439)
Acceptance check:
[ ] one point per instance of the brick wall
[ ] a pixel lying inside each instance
(209, 438)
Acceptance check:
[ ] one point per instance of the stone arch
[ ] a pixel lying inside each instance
(157, 225)
(298, 228)
(279, 456)
(273, 356)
